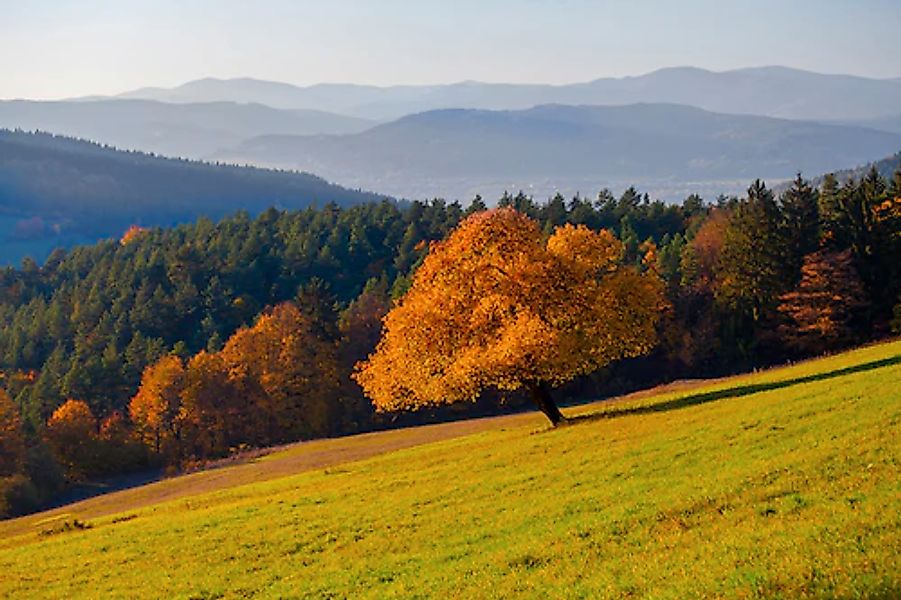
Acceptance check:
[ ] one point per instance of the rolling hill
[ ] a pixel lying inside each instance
(185, 130)
(887, 123)
(456, 153)
(769, 91)
(887, 168)
(778, 484)
(56, 190)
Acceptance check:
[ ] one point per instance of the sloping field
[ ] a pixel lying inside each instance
(778, 484)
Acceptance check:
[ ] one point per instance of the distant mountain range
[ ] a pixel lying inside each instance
(768, 91)
(56, 191)
(671, 132)
(460, 152)
(186, 130)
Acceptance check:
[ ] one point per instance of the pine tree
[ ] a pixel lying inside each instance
(477, 205)
(800, 222)
(832, 218)
(752, 271)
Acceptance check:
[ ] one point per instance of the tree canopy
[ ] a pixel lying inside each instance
(498, 306)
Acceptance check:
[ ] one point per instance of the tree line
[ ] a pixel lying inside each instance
(176, 345)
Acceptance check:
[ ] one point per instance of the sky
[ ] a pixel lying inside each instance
(66, 48)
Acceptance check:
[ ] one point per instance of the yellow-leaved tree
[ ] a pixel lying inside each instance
(498, 306)
(156, 407)
(71, 433)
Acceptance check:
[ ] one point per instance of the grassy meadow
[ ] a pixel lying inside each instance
(783, 483)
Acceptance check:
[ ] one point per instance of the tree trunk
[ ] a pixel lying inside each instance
(541, 395)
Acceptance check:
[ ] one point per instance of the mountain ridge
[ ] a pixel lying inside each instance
(187, 130)
(455, 153)
(59, 191)
(752, 90)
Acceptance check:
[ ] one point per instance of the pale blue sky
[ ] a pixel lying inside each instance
(66, 48)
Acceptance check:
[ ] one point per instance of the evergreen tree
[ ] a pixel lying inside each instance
(752, 270)
(477, 205)
(832, 219)
(800, 220)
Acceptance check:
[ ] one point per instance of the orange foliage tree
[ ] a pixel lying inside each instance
(12, 443)
(822, 308)
(273, 382)
(496, 306)
(700, 259)
(288, 372)
(210, 414)
(72, 436)
(155, 409)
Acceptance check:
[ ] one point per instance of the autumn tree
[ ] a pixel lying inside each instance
(690, 332)
(155, 409)
(71, 433)
(291, 372)
(12, 443)
(699, 262)
(822, 309)
(496, 306)
(212, 410)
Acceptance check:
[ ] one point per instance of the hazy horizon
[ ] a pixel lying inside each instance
(97, 47)
(251, 77)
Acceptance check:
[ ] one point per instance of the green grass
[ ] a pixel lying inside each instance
(778, 484)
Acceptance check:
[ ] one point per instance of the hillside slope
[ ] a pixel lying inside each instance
(782, 483)
(52, 188)
(185, 130)
(456, 153)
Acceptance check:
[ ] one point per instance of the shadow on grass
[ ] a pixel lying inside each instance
(734, 392)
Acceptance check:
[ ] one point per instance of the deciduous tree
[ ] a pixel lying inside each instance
(495, 306)
(211, 416)
(72, 436)
(291, 371)
(155, 409)
(699, 262)
(822, 309)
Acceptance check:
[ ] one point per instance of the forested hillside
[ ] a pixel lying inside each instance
(886, 167)
(174, 345)
(53, 187)
(178, 130)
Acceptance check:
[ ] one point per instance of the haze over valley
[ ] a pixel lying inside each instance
(671, 133)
